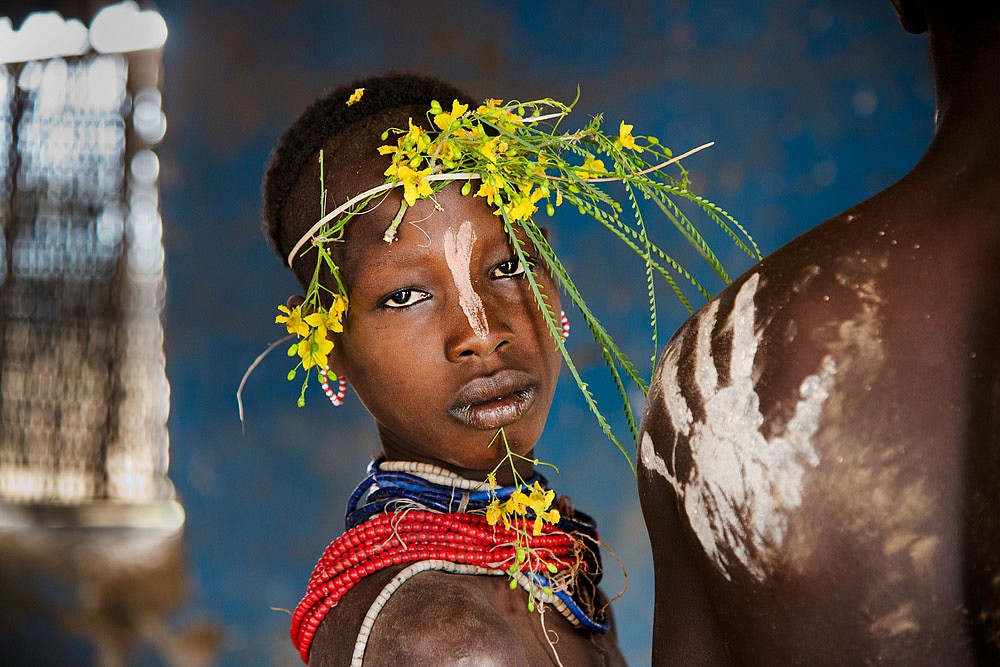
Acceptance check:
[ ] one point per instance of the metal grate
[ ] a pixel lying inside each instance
(83, 390)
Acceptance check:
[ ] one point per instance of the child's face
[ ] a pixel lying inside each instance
(442, 341)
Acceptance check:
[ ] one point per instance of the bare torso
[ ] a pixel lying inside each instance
(820, 453)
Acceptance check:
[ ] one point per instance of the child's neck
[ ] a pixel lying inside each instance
(504, 474)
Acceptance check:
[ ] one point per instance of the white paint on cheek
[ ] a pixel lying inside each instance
(458, 254)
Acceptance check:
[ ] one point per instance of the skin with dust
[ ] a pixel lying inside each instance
(794, 480)
(458, 254)
(741, 487)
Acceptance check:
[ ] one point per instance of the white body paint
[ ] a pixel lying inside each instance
(458, 254)
(742, 486)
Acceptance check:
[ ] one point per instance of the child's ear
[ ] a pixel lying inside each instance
(294, 301)
(333, 360)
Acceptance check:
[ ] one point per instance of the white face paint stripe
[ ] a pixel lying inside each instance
(458, 254)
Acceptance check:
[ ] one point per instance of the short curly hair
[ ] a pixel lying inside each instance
(323, 121)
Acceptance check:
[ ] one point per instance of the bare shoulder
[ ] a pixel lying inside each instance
(434, 618)
(442, 619)
(816, 435)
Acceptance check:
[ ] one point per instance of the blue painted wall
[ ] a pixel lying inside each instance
(813, 106)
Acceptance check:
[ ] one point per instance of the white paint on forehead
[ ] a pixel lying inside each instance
(458, 254)
(742, 487)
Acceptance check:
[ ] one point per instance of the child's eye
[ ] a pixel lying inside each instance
(509, 269)
(405, 297)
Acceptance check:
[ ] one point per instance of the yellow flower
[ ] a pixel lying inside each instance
(446, 118)
(476, 132)
(625, 138)
(444, 151)
(552, 516)
(539, 501)
(355, 96)
(493, 109)
(489, 151)
(415, 136)
(493, 512)
(415, 183)
(524, 207)
(591, 168)
(413, 132)
(511, 118)
(331, 319)
(522, 210)
(489, 191)
(491, 480)
(315, 348)
(488, 105)
(516, 504)
(385, 150)
(292, 319)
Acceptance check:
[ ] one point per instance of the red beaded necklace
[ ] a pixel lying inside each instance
(396, 538)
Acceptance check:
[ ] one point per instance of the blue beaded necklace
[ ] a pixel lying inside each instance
(392, 490)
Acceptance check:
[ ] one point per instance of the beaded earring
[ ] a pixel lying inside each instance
(564, 321)
(338, 398)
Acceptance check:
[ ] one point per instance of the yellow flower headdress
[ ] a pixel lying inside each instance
(519, 159)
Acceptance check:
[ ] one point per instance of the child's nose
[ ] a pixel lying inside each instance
(466, 340)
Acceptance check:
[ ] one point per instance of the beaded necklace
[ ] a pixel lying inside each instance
(428, 518)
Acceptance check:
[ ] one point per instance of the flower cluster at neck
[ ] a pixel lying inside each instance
(520, 510)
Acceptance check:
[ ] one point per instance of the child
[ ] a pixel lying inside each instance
(444, 345)
(438, 305)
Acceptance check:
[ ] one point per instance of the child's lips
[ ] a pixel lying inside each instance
(487, 403)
